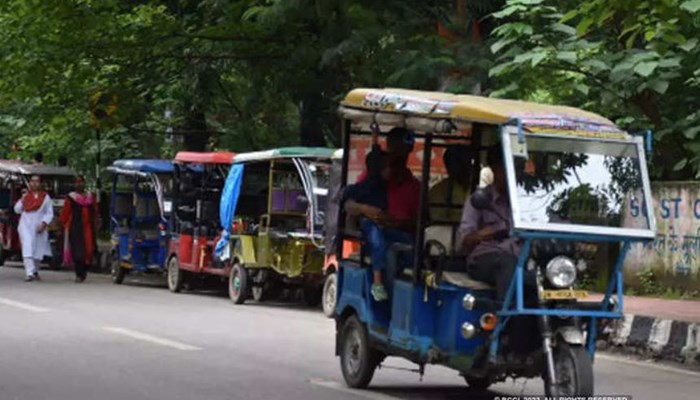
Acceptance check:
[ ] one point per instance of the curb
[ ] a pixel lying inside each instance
(658, 338)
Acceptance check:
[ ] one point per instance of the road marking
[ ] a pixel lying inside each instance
(150, 338)
(645, 364)
(333, 385)
(23, 306)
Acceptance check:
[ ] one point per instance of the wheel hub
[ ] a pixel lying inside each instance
(352, 351)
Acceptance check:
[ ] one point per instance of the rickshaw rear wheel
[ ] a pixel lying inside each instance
(574, 372)
(176, 278)
(118, 273)
(329, 294)
(358, 360)
(2, 256)
(238, 284)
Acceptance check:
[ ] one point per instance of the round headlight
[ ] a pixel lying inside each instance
(561, 272)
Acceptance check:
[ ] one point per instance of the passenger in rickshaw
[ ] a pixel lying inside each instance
(454, 189)
(483, 236)
(382, 228)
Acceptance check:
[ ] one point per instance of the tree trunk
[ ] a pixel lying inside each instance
(197, 134)
(311, 111)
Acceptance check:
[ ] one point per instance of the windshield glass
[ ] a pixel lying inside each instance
(576, 181)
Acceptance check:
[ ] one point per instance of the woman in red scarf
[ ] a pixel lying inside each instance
(80, 219)
(36, 212)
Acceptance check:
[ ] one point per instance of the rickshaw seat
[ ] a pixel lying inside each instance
(463, 280)
(150, 234)
(121, 230)
(443, 234)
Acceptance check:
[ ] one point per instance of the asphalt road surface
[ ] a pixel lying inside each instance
(65, 341)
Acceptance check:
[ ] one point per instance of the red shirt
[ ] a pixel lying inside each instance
(403, 198)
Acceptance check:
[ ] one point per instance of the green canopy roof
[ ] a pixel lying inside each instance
(285, 152)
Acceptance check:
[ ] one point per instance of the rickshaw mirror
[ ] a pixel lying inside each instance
(481, 199)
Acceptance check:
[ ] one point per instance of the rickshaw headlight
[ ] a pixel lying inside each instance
(561, 272)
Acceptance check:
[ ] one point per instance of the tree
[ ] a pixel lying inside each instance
(634, 61)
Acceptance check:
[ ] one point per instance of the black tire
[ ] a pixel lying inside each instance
(479, 384)
(312, 295)
(574, 372)
(3, 255)
(269, 290)
(118, 273)
(328, 297)
(238, 284)
(358, 360)
(176, 276)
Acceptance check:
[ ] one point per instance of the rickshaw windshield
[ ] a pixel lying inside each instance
(574, 184)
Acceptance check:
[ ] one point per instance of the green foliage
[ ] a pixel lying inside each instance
(234, 74)
(636, 62)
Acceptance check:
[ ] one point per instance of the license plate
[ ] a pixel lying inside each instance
(58, 202)
(564, 294)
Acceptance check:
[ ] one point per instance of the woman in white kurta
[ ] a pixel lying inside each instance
(36, 211)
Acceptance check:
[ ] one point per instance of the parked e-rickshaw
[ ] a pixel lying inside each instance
(14, 178)
(140, 216)
(569, 174)
(276, 202)
(198, 184)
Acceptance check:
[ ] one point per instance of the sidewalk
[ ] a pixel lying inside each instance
(676, 310)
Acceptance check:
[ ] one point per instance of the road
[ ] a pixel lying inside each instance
(65, 341)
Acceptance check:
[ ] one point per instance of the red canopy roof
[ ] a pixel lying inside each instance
(221, 157)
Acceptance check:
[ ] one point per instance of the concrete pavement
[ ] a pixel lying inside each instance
(60, 340)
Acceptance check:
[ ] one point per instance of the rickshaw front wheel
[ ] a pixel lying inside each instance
(176, 278)
(238, 284)
(358, 360)
(574, 372)
(329, 295)
(118, 273)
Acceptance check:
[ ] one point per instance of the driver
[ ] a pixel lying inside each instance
(492, 255)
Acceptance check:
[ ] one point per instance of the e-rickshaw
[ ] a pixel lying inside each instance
(140, 216)
(569, 175)
(198, 185)
(14, 178)
(274, 206)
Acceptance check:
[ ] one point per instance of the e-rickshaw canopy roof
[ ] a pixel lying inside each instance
(285, 152)
(146, 166)
(417, 106)
(221, 157)
(23, 168)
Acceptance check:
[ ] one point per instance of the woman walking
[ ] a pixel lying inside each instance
(36, 212)
(80, 219)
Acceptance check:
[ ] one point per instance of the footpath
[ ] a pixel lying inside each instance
(667, 330)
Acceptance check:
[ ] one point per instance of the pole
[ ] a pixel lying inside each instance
(98, 162)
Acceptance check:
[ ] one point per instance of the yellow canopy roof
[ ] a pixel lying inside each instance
(534, 116)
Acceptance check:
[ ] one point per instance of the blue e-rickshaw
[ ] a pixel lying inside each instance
(140, 216)
(570, 175)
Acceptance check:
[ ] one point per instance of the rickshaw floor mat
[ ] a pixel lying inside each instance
(463, 280)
